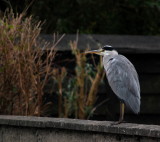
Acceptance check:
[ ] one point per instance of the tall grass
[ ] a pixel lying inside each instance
(23, 72)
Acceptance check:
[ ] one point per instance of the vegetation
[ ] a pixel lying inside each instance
(26, 69)
(23, 73)
(135, 17)
(77, 94)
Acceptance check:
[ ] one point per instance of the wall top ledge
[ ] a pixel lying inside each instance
(81, 125)
(122, 43)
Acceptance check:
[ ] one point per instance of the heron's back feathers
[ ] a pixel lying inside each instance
(123, 79)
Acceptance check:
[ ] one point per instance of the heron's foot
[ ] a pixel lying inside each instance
(118, 122)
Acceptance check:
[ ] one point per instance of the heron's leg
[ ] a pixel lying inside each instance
(121, 114)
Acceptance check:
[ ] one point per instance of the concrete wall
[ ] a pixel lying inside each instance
(40, 129)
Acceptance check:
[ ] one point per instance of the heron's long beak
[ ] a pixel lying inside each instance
(94, 52)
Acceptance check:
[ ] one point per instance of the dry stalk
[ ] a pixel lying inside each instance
(80, 76)
(95, 84)
(59, 75)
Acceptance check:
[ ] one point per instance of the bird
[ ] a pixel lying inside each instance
(122, 78)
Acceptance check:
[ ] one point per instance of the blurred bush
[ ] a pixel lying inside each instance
(23, 72)
(135, 17)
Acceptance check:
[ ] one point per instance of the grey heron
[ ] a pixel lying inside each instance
(122, 78)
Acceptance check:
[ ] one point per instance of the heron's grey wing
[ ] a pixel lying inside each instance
(123, 79)
(133, 70)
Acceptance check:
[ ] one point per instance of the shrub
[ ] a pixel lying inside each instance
(23, 72)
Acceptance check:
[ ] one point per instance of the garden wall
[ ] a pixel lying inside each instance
(43, 129)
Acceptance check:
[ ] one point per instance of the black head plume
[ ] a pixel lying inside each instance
(108, 47)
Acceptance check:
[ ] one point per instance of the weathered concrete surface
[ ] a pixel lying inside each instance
(41, 129)
(122, 43)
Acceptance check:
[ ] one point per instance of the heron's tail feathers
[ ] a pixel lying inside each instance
(134, 103)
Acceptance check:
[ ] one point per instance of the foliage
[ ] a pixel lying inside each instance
(77, 94)
(136, 17)
(23, 72)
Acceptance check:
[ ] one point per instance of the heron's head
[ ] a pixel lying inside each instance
(105, 50)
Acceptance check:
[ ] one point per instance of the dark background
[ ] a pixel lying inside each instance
(133, 17)
(118, 17)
